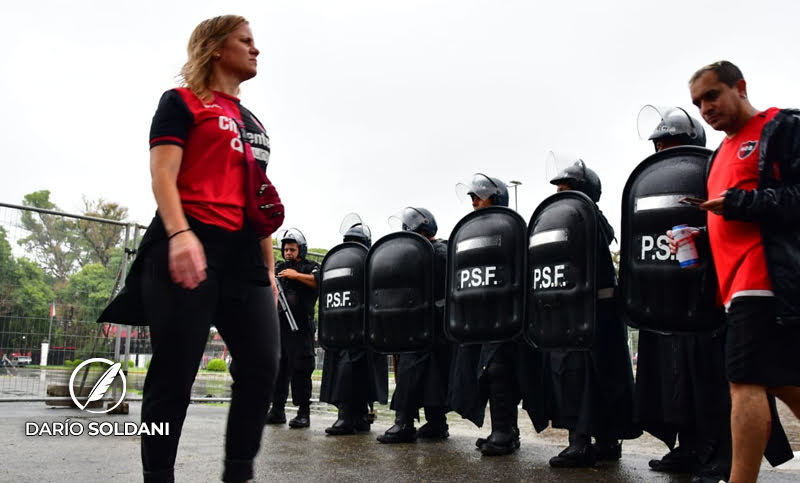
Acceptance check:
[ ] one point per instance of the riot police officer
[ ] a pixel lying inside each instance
(421, 378)
(352, 379)
(591, 392)
(487, 372)
(674, 402)
(299, 278)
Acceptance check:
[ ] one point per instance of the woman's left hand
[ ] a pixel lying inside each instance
(187, 260)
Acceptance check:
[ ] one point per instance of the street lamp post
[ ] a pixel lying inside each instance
(514, 184)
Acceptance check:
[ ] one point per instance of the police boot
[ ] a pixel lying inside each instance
(361, 420)
(504, 438)
(403, 430)
(679, 460)
(276, 415)
(435, 426)
(481, 441)
(579, 454)
(343, 424)
(303, 418)
(607, 449)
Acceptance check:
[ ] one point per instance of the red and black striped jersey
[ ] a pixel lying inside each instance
(211, 176)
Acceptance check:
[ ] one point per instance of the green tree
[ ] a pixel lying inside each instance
(30, 297)
(7, 272)
(98, 239)
(88, 292)
(62, 245)
(33, 294)
(52, 240)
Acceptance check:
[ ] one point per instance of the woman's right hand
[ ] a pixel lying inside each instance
(187, 260)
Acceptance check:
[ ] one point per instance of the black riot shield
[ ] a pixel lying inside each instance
(656, 293)
(486, 277)
(399, 294)
(341, 297)
(562, 263)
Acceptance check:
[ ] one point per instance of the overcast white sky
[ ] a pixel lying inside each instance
(376, 105)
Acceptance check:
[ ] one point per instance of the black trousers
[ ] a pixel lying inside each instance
(296, 367)
(245, 315)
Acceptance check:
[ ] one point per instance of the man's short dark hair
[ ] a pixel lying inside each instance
(727, 72)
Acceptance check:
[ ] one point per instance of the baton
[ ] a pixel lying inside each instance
(285, 307)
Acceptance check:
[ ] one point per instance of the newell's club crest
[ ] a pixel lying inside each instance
(101, 386)
(747, 148)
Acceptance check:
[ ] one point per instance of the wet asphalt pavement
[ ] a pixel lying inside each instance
(307, 454)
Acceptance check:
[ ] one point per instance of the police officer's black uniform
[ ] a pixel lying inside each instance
(352, 379)
(297, 347)
(590, 393)
(489, 372)
(422, 378)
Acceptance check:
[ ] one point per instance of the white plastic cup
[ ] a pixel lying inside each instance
(687, 250)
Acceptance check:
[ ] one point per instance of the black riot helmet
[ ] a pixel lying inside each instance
(484, 187)
(660, 124)
(294, 235)
(355, 230)
(418, 220)
(580, 178)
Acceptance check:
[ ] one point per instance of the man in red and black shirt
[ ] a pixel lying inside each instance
(753, 180)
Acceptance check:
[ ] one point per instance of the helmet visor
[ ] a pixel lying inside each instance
(407, 219)
(292, 234)
(655, 122)
(560, 165)
(350, 220)
(480, 186)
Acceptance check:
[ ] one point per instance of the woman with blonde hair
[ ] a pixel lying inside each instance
(201, 262)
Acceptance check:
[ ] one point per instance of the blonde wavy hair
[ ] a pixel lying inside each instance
(206, 38)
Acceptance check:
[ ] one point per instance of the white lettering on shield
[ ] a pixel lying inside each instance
(655, 248)
(549, 277)
(338, 299)
(477, 277)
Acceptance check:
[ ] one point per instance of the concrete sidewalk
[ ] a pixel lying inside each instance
(306, 454)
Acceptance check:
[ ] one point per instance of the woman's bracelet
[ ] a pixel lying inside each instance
(178, 233)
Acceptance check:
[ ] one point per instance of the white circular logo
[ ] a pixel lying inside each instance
(101, 386)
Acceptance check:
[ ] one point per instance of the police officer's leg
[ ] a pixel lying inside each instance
(579, 454)
(179, 323)
(302, 368)
(277, 413)
(435, 396)
(405, 400)
(342, 389)
(361, 392)
(249, 326)
(570, 381)
(503, 401)
(435, 426)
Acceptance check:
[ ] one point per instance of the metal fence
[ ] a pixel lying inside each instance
(58, 271)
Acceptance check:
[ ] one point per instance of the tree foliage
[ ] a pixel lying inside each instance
(33, 293)
(87, 292)
(52, 238)
(7, 273)
(99, 239)
(61, 245)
